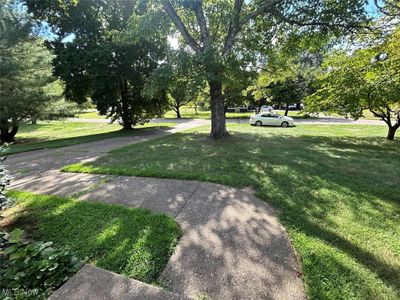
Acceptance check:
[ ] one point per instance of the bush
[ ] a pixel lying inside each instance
(5, 202)
(32, 270)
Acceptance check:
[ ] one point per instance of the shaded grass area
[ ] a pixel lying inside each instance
(129, 241)
(337, 188)
(59, 134)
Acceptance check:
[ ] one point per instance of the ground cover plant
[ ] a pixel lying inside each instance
(59, 134)
(336, 187)
(32, 270)
(5, 178)
(129, 241)
(29, 269)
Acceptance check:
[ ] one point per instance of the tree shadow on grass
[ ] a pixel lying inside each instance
(320, 184)
(330, 182)
(342, 192)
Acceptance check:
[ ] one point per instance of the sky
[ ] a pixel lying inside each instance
(372, 9)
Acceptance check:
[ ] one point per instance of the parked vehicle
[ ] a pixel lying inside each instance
(271, 119)
(241, 108)
(266, 108)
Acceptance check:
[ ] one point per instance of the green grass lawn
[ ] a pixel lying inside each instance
(337, 189)
(367, 115)
(90, 114)
(129, 241)
(188, 112)
(59, 134)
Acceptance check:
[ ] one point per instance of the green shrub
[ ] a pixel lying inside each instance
(32, 270)
(5, 201)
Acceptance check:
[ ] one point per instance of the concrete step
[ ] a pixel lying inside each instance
(92, 283)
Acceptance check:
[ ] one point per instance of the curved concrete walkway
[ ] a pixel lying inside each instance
(233, 246)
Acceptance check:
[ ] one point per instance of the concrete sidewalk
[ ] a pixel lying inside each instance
(38, 161)
(233, 246)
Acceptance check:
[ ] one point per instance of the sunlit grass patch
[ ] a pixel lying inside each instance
(129, 241)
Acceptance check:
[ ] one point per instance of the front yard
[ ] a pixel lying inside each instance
(337, 189)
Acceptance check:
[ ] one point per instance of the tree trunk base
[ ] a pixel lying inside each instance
(219, 136)
(218, 123)
(391, 133)
(8, 136)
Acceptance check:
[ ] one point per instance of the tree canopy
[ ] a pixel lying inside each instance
(103, 53)
(286, 91)
(178, 76)
(106, 50)
(367, 78)
(26, 73)
(220, 34)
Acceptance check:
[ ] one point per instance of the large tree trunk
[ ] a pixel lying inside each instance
(392, 132)
(125, 113)
(7, 135)
(218, 125)
(287, 109)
